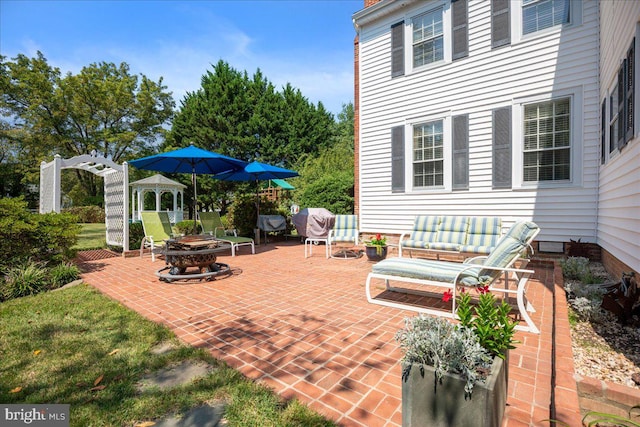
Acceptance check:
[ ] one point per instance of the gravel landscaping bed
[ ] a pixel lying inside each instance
(603, 348)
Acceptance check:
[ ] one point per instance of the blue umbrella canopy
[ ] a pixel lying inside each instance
(190, 160)
(257, 171)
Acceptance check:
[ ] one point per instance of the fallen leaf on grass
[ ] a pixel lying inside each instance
(37, 352)
(97, 381)
(118, 377)
(114, 352)
(98, 388)
(16, 390)
(145, 424)
(81, 384)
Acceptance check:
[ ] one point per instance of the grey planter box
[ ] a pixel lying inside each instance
(427, 402)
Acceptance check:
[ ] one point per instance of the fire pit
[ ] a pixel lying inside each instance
(192, 257)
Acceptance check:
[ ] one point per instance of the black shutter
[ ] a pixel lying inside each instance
(603, 131)
(461, 152)
(621, 102)
(502, 147)
(397, 159)
(460, 29)
(500, 23)
(397, 49)
(629, 95)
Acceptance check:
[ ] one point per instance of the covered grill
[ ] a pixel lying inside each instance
(313, 223)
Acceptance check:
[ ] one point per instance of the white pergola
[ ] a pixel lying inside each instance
(158, 185)
(116, 191)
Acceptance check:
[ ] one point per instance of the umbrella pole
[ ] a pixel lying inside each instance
(195, 201)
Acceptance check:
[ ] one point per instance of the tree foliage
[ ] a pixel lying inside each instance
(326, 179)
(247, 118)
(104, 108)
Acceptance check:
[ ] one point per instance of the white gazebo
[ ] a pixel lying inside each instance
(159, 185)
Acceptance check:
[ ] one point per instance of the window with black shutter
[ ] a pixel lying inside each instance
(461, 152)
(500, 23)
(460, 29)
(603, 132)
(621, 102)
(502, 147)
(397, 159)
(397, 49)
(629, 95)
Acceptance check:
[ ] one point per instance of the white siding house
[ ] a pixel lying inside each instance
(491, 108)
(619, 190)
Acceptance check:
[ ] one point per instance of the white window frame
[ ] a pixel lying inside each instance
(576, 128)
(447, 35)
(446, 153)
(517, 25)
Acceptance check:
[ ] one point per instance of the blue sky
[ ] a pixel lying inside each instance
(307, 43)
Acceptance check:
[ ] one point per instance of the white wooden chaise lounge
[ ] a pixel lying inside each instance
(476, 271)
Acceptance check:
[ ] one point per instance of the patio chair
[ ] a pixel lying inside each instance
(212, 224)
(157, 229)
(345, 230)
(474, 272)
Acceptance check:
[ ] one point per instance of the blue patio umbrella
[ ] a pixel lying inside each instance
(191, 160)
(257, 171)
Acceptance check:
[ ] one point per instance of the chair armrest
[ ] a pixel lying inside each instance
(476, 260)
(402, 237)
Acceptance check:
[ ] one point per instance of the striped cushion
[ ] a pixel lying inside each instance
(439, 271)
(443, 246)
(425, 229)
(452, 229)
(482, 250)
(484, 232)
(345, 228)
(510, 245)
(417, 244)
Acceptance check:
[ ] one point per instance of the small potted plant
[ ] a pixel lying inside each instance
(456, 374)
(376, 248)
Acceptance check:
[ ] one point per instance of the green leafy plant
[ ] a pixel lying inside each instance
(447, 347)
(62, 274)
(575, 267)
(488, 320)
(87, 214)
(186, 227)
(378, 241)
(24, 279)
(41, 237)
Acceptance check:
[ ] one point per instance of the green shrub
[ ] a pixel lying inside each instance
(47, 238)
(186, 227)
(62, 274)
(574, 268)
(333, 192)
(136, 233)
(243, 214)
(87, 214)
(24, 279)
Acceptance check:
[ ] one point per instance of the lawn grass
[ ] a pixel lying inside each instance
(77, 346)
(92, 236)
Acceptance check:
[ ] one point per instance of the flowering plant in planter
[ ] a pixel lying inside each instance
(379, 241)
(485, 331)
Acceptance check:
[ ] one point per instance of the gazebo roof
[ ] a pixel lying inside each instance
(157, 180)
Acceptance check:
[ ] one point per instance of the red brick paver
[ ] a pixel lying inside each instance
(304, 328)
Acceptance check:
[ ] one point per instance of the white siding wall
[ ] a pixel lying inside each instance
(547, 63)
(619, 197)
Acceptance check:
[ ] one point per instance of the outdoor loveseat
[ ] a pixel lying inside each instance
(448, 233)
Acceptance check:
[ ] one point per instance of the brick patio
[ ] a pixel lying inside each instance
(304, 328)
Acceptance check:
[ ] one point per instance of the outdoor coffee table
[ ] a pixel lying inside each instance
(192, 257)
